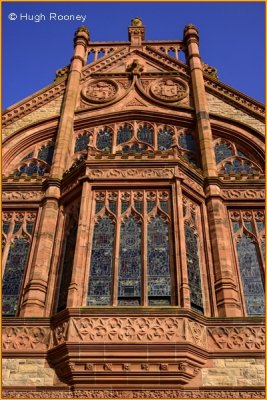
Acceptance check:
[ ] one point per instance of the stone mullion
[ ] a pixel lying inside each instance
(8, 242)
(116, 253)
(208, 262)
(76, 287)
(52, 291)
(259, 237)
(144, 272)
(181, 260)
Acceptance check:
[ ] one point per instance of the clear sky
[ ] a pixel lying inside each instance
(231, 38)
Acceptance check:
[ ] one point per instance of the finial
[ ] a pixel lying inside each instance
(136, 21)
(82, 28)
(190, 26)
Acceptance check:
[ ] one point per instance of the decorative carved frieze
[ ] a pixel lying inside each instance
(21, 338)
(132, 393)
(237, 338)
(243, 194)
(132, 173)
(21, 195)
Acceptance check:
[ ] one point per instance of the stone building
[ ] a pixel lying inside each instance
(133, 228)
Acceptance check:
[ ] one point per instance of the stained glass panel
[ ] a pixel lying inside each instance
(101, 273)
(5, 227)
(222, 151)
(46, 153)
(124, 134)
(193, 269)
(13, 275)
(159, 280)
(67, 265)
(251, 276)
(134, 147)
(28, 156)
(187, 141)
(145, 134)
(164, 139)
(130, 262)
(238, 166)
(81, 143)
(104, 140)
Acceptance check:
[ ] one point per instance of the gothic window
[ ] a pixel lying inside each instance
(159, 279)
(145, 134)
(124, 134)
(187, 141)
(81, 142)
(187, 146)
(222, 151)
(17, 231)
(231, 159)
(248, 235)
(137, 147)
(122, 259)
(46, 153)
(68, 259)
(192, 256)
(165, 139)
(100, 280)
(104, 139)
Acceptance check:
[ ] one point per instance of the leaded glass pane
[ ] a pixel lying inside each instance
(235, 226)
(263, 245)
(164, 206)
(238, 166)
(189, 157)
(193, 269)
(260, 226)
(145, 134)
(16, 227)
(130, 262)
(29, 227)
(159, 280)
(112, 206)
(81, 143)
(67, 265)
(134, 147)
(150, 205)
(138, 205)
(100, 280)
(248, 225)
(250, 275)
(46, 153)
(28, 156)
(124, 206)
(187, 141)
(124, 134)
(31, 169)
(99, 205)
(164, 139)
(5, 227)
(222, 151)
(13, 275)
(104, 140)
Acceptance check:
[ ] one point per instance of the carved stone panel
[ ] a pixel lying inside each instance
(132, 173)
(170, 90)
(100, 90)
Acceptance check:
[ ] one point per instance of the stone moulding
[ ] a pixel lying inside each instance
(131, 173)
(21, 195)
(246, 393)
(243, 194)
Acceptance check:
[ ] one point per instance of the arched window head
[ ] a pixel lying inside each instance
(104, 139)
(46, 152)
(165, 138)
(223, 150)
(124, 134)
(81, 142)
(145, 134)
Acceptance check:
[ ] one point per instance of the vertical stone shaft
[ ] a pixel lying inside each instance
(228, 301)
(35, 293)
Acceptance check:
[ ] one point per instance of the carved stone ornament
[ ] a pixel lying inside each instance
(100, 91)
(170, 90)
(132, 173)
(21, 195)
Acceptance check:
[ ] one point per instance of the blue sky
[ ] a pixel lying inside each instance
(231, 38)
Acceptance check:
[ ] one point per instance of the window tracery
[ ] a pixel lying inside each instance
(139, 222)
(37, 161)
(192, 255)
(141, 136)
(230, 159)
(17, 236)
(249, 235)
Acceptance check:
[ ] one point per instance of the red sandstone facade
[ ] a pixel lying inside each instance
(145, 350)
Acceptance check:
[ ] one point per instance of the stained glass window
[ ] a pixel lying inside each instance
(250, 275)
(32, 168)
(222, 151)
(132, 255)
(28, 156)
(145, 134)
(101, 272)
(158, 249)
(130, 263)
(193, 269)
(81, 143)
(124, 134)
(187, 141)
(46, 153)
(67, 264)
(249, 236)
(17, 235)
(104, 140)
(13, 275)
(238, 167)
(138, 148)
(164, 139)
